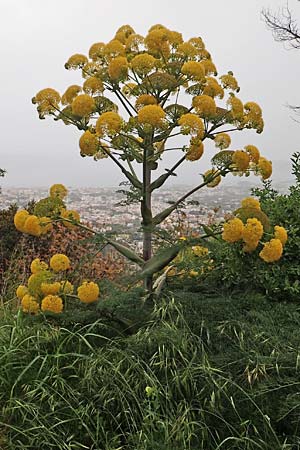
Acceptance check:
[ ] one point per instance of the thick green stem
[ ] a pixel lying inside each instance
(147, 215)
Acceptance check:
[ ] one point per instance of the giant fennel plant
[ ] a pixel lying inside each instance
(138, 95)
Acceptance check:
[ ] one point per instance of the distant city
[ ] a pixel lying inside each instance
(100, 206)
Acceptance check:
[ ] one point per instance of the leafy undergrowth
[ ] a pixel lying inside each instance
(220, 373)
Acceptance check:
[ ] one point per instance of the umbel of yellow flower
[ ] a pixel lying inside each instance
(151, 115)
(35, 281)
(20, 219)
(241, 160)
(21, 291)
(29, 304)
(205, 106)
(272, 251)
(93, 85)
(216, 178)
(233, 230)
(70, 94)
(88, 292)
(198, 250)
(32, 226)
(143, 64)
(191, 124)
(222, 141)
(88, 144)
(118, 68)
(253, 153)
(70, 215)
(50, 288)
(59, 262)
(109, 123)
(264, 167)
(252, 232)
(52, 303)
(58, 190)
(66, 287)
(37, 265)
(250, 202)
(83, 105)
(193, 70)
(281, 234)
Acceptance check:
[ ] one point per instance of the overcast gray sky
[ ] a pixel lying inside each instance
(37, 37)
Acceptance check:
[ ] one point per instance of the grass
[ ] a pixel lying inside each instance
(223, 373)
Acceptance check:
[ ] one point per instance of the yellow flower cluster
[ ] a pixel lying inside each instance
(58, 190)
(222, 141)
(195, 150)
(272, 251)
(143, 64)
(191, 124)
(229, 82)
(109, 123)
(236, 108)
(252, 233)
(70, 214)
(233, 230)
(93, 86)
(264, 167)
(152, 115)
(96, 51)
(253, 116)
(205, 106)
(281, 234)
(88, 144)
(31, 224)
(88, 292)
(60, 262)
(144, 100)
(194, 70)
(213, 88)
(241, 160)
(83, 105)
(76, 61)
(250, 202)
(199, 250)
(70, 94)
(47, 291)
(253, 152)
(47, 100)
(118, 68)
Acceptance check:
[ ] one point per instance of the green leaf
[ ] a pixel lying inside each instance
(127, 252)
(159, 261)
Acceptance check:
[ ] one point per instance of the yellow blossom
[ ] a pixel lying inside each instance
(76, 61)
(58, 191)
(47, 100)
(193, 273)
(236, 108)
(88, 292)
(194, 70)
(151, 115)
(32, 226)
(93, 85)
(20, 219)
(241, 160)
(52, 303)
(144, 100)
(195, 150)
(37, 265)
(233, 230)
(209, 67)
(70, 94)
(250, 202)
(249, 247)
(108, 123)
(114, 48)
(29, 304)
(88, 144)
(215, 181)
(83, 105)
(187, 49)
(264, 167)
(45, 224)
(118, 68)
(253, 231)
(191, 124)
(281, 234)
(59, 262)
(21, 291)
(213, 88)
(229, 82)
(143, 64)
(222, 141)
(205, 106)
(96, 51)
(50, 288)
(36, 279)
(272, 251)
(253, 153)
(157, 43)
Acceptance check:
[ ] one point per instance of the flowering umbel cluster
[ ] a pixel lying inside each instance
(250, 226)
(151, 77)
(46, 212)
(48, 288)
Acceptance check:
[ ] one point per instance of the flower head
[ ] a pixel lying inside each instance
(88, 144)
(253, 152)
(233, 230)
(59, 262)
(151, 115)
(20, 219)
(264, 167)
(252, 232)
(50, 288)
(241, 160)
(66, 287)
(215, 177)
(96, 51)
(70, 214)
(143, 64)
(193, 70)
(118, 68)
(222, 141)
(250, 202)
(47, 100)
(144, 100)
(93, 86)
(272, 251)
(52, 303)
(88, 292)
(205, 106)
(37, 265)
(191, 124)
(29, 304)
(109, 123)
(195, 150)
(58, 191)
(281, 234)
(70, 94)
(21, 291)
(32, 226)
(36, 279)
(229, 82)
(213, 88)
(83, 105)
(76, 61)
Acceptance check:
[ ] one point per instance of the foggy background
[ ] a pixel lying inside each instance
(37, 37)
